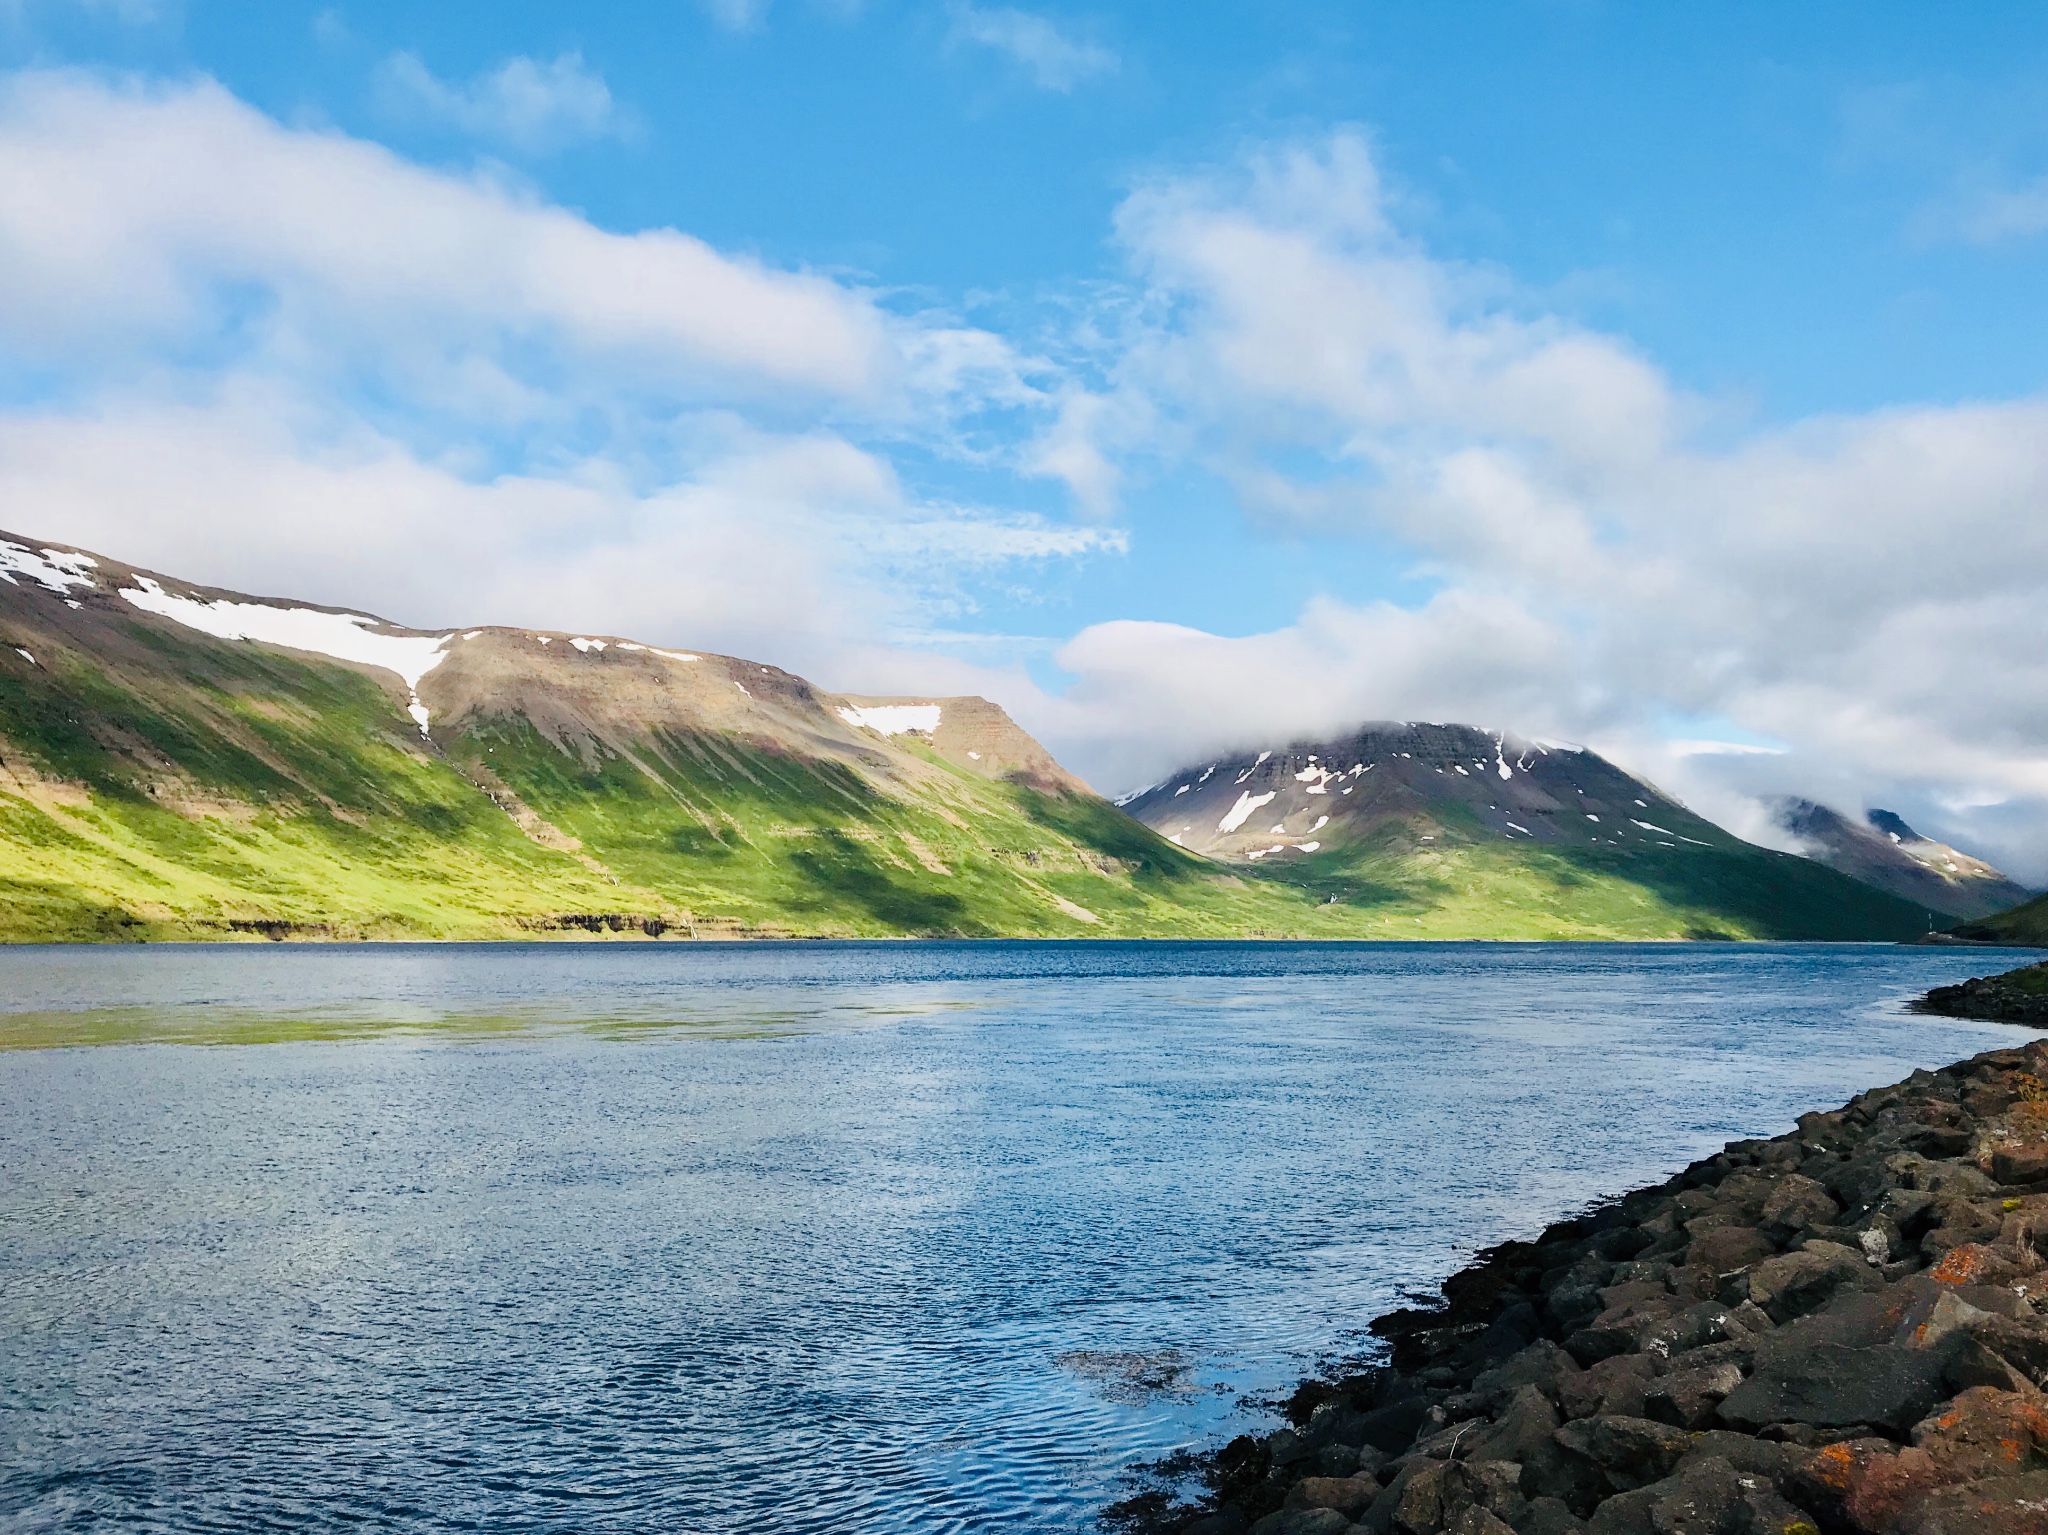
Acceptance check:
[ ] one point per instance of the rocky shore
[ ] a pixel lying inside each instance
(1835, 1330)
(2018, 996)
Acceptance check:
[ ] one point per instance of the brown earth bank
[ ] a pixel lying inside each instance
(1840, 1329)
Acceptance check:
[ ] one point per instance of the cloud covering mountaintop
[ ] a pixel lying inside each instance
(278, 356)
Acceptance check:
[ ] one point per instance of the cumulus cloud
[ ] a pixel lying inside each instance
(792, 547)
(291, 362)
(1869, 590)
(1152, 696)
(524, 103)
(1053, 60)
(146, 217)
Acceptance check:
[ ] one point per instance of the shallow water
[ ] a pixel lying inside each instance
(823, 1237)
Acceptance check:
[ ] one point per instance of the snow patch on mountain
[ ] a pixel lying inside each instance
(1241, 812)
(54, 569)
(344, 636)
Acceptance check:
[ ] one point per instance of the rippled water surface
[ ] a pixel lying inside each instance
(834, 1237)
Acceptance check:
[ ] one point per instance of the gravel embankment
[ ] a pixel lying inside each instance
(1835, 1330)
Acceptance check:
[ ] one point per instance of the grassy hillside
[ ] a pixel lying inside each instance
(1459, 887)
(304, 803)
(157, 782)
(2026, 926)
(203, 789)
(1445, 830)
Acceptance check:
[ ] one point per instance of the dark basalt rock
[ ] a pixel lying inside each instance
(1828, 1386)
(2018, 996)
(1835, 1332)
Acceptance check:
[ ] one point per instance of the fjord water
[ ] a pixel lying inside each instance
(848, 1237)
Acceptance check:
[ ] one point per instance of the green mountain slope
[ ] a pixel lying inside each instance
(179, 762)
(1450, 831)
(2025, 926)
(158, 781)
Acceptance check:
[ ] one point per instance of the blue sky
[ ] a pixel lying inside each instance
(1735, 187)
(1206, 373)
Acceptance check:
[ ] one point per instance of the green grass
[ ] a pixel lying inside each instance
(1509, 890)
(2025, 925)
(212, 789)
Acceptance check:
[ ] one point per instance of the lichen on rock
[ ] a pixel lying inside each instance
(1844, 1329)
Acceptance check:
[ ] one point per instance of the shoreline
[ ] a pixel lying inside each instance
(258, 936)
(2018, 996)
(1839, 1329)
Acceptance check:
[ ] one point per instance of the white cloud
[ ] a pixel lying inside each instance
(527, 104)
(1053, 60)
(790, 548)
(142, 218)
(1151, 697)
(1870, 590)
(1293, 292)
(293, 363)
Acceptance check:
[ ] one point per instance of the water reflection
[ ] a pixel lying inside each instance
(233, 1025)
(809, 1238)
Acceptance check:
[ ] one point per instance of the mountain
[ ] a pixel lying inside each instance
(2025, 926)
(1885, 852)
(180, 761)
(184, 762)
(1452, 829)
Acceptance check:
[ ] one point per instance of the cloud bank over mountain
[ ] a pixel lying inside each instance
(314, 367)
(287, 359)
(1611, 554)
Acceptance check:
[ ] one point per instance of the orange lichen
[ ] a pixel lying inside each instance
(1833, 1467)
(1960, 1265)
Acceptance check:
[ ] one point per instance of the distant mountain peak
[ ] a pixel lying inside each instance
(1516, 834)
(1883, 851)
(1411, 779)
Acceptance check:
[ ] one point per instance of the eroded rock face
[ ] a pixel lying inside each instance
(1836, 1332)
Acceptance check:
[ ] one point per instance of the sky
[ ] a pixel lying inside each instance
(1665, 379)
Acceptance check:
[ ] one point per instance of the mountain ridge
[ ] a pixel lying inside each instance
(1884, 852)
(1417, 807)
(178, 760)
